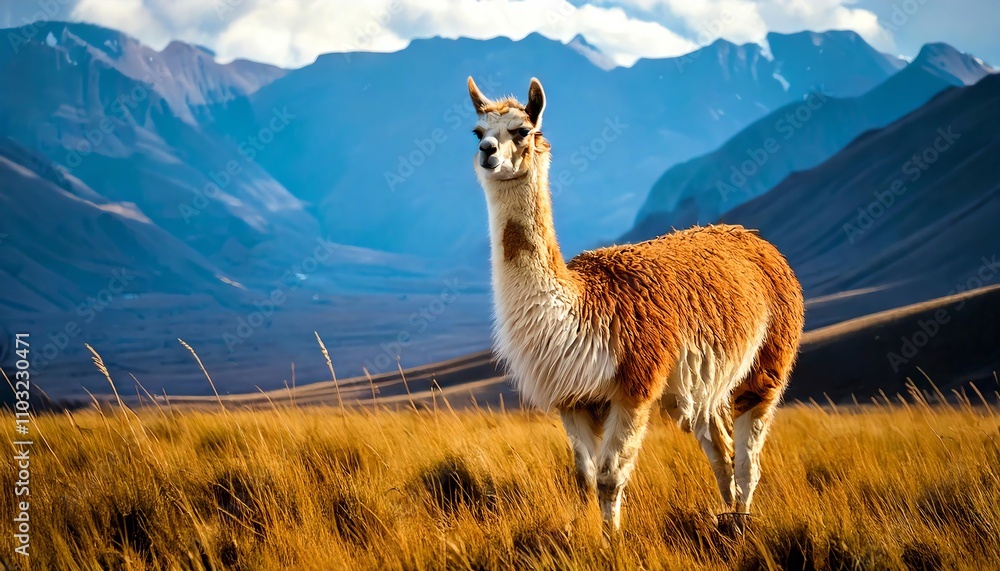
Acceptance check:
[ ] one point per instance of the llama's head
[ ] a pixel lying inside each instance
(509, 133)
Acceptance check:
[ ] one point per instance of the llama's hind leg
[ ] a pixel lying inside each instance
(624, 430)
(716, 438)
(584, 425)
(756, 397)
(754, 404)
(750, 431)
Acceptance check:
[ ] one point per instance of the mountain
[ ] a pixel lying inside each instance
(796, 137)
(902, 215)
(217, 186)
(61, 248)
(82, 102)
(380, 140)
(328, 150)
(816, 59)
(186, 76)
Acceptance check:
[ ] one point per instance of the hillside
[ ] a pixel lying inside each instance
(61, 247)
(950, 342)
(797, 137)
(901, 215)
(98, 105)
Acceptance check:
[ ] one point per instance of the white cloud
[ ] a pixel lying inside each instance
(293, 32)
(743, 21)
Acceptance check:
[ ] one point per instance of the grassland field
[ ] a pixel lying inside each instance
(902, 485)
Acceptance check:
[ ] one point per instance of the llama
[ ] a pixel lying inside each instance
(707, 318)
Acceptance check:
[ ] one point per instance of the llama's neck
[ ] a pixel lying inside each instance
(524, 249)
(554, 357)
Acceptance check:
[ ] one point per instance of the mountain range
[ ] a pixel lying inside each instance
(345, 188)
(794, 138)
(381, 140)
(250, 165)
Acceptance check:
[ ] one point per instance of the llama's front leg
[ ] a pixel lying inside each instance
(583, 426)
(624, 430)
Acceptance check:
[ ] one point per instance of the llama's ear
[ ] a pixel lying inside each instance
(479, 101)
(536, 102)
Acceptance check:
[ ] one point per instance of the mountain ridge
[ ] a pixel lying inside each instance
(902, 214)
(702, 189)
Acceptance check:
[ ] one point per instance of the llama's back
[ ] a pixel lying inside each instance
(708, 290)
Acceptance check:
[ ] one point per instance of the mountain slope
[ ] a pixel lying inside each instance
(187, 77)
(796, 137)
(815, 60)
(950, 340)
(121, 118)
(126, 141)
(901, 215)
(61, 249)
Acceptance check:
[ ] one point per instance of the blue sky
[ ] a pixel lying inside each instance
(293, 32)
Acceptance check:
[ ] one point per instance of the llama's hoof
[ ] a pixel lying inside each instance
(610, 534)
(586, 488)
(733, 524)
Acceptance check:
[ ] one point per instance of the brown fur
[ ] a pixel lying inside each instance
(727, 279)
(502, 106)
(515, 240)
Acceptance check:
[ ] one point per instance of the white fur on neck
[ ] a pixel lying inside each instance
(555, 360)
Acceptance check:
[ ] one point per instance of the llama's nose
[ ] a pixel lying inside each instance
(488, 145)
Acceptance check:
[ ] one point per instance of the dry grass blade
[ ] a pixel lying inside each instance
(982, 399)
(371, 383)
(149, 396)
(329, 364)
(406, 385)
(204, 370)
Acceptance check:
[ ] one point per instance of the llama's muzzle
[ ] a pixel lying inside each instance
(488, 153)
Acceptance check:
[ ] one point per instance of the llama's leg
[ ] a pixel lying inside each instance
(624, 430)
(754, 403)
(716, 438)
(583, 428)
(750, 431)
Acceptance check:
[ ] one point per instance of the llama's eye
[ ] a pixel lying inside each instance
(523, 132)
(478, 134)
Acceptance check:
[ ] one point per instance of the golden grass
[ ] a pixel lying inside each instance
(312, 488)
